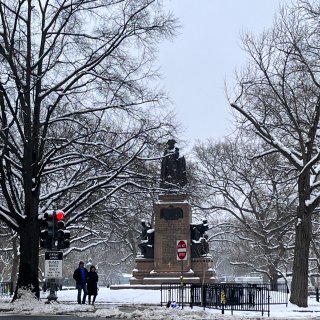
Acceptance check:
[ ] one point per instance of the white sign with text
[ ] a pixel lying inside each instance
(53, 265)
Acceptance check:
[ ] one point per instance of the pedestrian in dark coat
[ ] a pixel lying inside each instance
(92, 283)
(80, 275)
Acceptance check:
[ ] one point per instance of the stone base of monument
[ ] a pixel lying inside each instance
(154, 278)
(172, 226)
(201, 272)
(142, 270)
(202, 268)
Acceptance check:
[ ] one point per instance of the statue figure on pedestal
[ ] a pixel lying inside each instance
(146, 245)
(173, 167)
(199, 239)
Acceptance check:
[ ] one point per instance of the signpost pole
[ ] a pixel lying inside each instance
(181, 271)
(181, 284)
(182, 247)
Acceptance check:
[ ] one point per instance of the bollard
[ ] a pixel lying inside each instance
(52, 295)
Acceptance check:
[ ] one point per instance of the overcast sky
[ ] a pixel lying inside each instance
(204, 55)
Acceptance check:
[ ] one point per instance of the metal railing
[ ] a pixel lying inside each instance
(6, 289)
(173, 292)
(225, 296)
(278, 295)
(235, 297)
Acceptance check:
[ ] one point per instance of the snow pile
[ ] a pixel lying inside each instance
(142, 304)
(27, 304)
(162, 313)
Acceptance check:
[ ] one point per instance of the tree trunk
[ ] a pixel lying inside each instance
(29, 257)
(273, 278)
(15, 261)
(299, 286)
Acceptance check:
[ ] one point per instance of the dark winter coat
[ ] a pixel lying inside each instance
(92, 283)
(77, 275)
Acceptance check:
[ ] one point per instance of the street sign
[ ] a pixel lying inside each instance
(53, 265)
(182, 249)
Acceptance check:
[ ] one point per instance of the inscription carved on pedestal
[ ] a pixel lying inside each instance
(168, 243)
(171, 213)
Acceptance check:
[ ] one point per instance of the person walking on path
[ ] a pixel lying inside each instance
(92, 283)
(80, 275)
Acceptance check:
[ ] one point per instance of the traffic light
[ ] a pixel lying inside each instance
(62, 236)
(66, 239)
(47, 230)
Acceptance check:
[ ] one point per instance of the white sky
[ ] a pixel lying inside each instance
(205, 54)
(147, 304)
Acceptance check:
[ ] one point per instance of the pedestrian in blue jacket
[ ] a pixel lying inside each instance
(80, 275)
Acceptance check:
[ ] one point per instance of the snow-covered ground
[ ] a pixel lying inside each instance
(142, 304)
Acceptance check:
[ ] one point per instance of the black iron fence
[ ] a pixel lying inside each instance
(235, 297)
(225, 296)
(175, 293)
(278, 294)
(6, 289)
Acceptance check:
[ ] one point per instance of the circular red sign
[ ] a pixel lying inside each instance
(182, 249)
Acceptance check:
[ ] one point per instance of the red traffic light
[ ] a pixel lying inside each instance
(60, 215)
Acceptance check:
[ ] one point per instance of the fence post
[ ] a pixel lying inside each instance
(268, 303)
(203, 295)
(181, 289)
(223, 299)
(317, 294)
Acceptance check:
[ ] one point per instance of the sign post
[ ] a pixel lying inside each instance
(53, 270)
(182, 247)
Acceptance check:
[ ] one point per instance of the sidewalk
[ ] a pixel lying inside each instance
(144, 305)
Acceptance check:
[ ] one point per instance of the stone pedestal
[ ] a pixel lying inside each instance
(172, 223)
(202, 268)
(143, 268)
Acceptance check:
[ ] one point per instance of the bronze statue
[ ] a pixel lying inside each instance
(146, 245)
(173, 167)
(198, 230)
(199, 239)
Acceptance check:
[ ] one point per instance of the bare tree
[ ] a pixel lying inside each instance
(256, 199)
(279, 98)
(9, 255)
(77, 107)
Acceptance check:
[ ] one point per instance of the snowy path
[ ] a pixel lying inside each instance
(144, 305)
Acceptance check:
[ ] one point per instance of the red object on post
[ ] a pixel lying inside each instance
(182, 246)
(60, 215)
